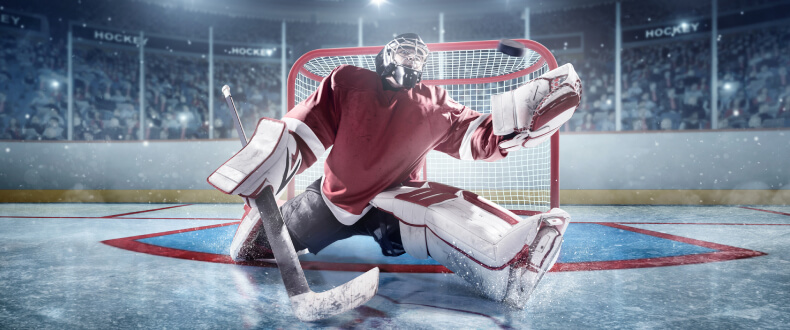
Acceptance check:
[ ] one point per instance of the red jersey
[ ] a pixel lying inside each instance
(380, 138)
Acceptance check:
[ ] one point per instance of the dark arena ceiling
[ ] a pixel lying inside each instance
(351, 10)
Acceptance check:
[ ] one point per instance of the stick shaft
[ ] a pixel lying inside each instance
(307, 305)
(235, 114)
(273, 224)
(281, 244)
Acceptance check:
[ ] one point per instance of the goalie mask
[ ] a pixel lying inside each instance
(402, 60)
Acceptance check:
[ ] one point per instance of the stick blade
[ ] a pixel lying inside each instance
(313, 306)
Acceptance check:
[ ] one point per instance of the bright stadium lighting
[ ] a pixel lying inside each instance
(55, 84)
(727, 86)
(685, 25)
(377, 2)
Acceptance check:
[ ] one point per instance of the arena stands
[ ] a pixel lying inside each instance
(666, 83)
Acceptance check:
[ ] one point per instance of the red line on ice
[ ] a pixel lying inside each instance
(159, 209)
(762, 210)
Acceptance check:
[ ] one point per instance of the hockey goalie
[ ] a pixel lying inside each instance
(381, 126)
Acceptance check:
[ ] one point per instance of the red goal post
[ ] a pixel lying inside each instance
(526, 181)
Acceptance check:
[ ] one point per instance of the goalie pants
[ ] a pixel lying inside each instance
(313, 226)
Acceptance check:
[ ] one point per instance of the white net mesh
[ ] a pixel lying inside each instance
(521, 181)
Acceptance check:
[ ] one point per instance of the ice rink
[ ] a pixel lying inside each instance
(109, 266)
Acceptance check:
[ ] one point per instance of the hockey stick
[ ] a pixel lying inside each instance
(306, 304)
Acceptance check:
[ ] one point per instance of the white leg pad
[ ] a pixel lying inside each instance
(478, 240)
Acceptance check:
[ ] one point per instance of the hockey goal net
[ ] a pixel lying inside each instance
(526, 181)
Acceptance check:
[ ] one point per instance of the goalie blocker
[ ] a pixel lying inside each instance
(498, 252)
(271, 158)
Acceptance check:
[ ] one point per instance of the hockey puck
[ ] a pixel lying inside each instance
(511, 47)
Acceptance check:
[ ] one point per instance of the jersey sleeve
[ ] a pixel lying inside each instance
(471, 135)
(314, 121)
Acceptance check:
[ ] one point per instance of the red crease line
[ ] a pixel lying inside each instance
(722, 253)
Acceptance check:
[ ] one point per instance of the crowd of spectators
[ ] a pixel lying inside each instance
(106, 93)
(665, 85)
(754, 88)
(256, 91)
(32, 89)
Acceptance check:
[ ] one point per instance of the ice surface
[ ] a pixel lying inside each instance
(55, 273)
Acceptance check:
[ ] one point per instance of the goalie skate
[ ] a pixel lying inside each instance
(525, 277)
(248, 244)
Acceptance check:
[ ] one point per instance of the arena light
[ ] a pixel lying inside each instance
(55, 84)
(727, 86)
(378, 2)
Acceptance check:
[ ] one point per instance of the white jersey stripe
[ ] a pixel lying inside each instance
(345, 217)
(466, 145)
(307, 135)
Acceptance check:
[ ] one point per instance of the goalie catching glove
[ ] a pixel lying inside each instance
(531, 113)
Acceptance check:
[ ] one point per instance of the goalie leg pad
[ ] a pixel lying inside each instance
(249, 243)
(544, 251)
(271, 158)
(485, 244)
